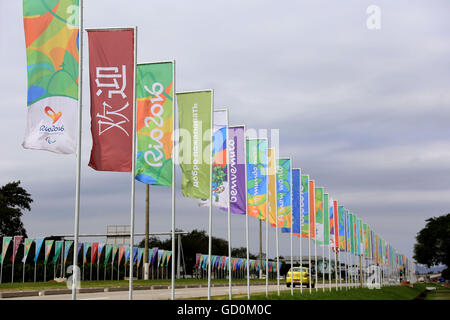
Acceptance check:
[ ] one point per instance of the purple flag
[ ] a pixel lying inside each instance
(237, 156)
(155, 253)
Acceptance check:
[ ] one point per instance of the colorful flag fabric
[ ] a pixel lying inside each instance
(160, 256)
(58, 248)
(5, 245)
(236, 157)
(284, 195)
(272, 187)
(304, 218)
(115, 249)
(326, 219)
(86, 247)
(127, 254)
(48, 249)
(26, 248)
(219, 156)
(336, 224)
(121, 253)
(111, 73)
(195, 118)
(331, 222)
(257, 178)
(348, 231)
(154, 255)
(312, 210)
(51, 40)
(342, 229)
(39, 243)
(108, 251)
(140, 255)
(94, 251)
(67, 245)
(319, 215)
(100, 250)
(155, 112)
(16, 243)
(80, 245)
(295, 203)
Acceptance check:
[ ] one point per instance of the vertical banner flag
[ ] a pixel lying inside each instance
(284, 203)
(111, 76)
(121, 253)
(48, 249)
(295, 203)
(366, 240)
(154, 123)
(195, 122)
(135, 252)
(114, 252)
(5, 245)
(58, 247)
(319, 215)
(312, 210)
(16, 244)
(304, 219)
(86, 247)
(80, 245)
(127, 254)
(342, 229)
(219, 156)
(331, 223)
(94, 251)
(236, 156)
(67, 246)
(257, 178)
(39, 243)
(140, 254)
(154, 254)
(326, 219)
(100, 250)
(348, 231)
(108, 251)
(272, 184)
(51, 40)
(336, 224)
(26, 248)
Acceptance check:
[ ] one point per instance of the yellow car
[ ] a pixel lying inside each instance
(301, 277)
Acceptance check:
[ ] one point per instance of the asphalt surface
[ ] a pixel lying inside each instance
(164, 294)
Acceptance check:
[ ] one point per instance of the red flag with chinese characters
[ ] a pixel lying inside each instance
(94, 251)
(17, 241)
(111, 73)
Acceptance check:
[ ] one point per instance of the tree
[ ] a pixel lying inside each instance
(13, 201)
(433, 242)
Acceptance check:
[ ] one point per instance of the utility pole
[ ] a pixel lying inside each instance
(147, 209)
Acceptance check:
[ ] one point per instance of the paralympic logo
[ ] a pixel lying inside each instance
(50, 140)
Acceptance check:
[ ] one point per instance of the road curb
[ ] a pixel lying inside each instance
(51, 292)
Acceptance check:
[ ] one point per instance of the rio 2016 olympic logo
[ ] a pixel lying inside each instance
(74, 278)
(374, 278)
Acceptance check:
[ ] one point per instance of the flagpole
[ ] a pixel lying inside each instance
(246, 222)
(78, 155)
(292, 228)
(133, 169)
(210, 201)
(276, 240)
(309, 242)
(230, 293)
(173, 183)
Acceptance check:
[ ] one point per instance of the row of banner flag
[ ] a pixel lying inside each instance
(237, 264)
(220, 163)
(157, 257)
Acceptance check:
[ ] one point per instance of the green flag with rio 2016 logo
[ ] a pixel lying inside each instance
(195, 124)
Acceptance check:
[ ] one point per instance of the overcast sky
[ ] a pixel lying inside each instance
(364, 112)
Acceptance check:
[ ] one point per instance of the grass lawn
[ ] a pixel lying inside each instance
(385, 293)
(115, 283)
(441, 293)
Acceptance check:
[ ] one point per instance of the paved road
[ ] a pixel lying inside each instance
(163, 294)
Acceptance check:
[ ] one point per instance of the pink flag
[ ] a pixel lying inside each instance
(17, 241)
